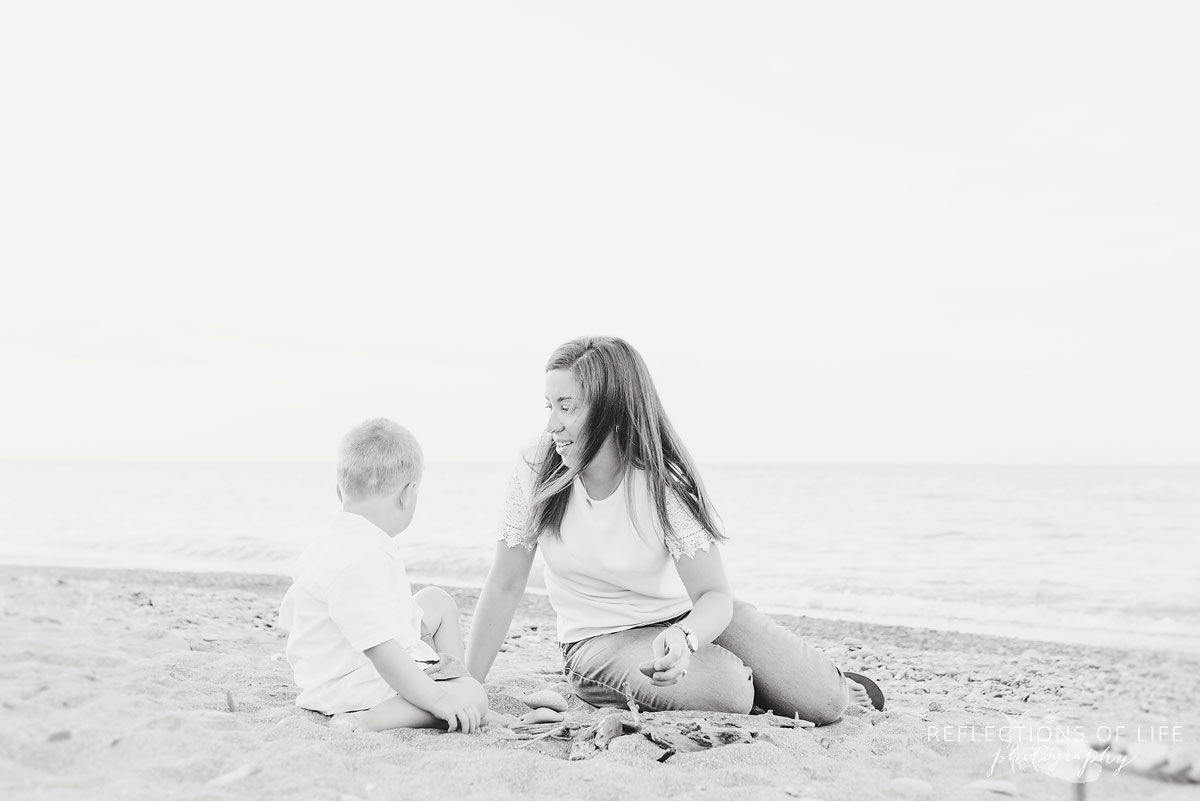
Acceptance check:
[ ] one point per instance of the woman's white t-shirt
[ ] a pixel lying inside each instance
(603, 574)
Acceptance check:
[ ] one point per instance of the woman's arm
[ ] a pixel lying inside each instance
(502, 590)
(703, 575)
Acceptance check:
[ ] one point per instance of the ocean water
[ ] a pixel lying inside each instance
(1102, 555)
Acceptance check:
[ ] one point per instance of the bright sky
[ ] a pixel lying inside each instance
(869, 232)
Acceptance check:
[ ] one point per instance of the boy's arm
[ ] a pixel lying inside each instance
(400, 671)
(405, 676)
(362, 599)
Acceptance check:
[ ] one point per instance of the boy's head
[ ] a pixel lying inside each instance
(379, 471)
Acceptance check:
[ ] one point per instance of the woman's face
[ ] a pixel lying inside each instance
(567, 413)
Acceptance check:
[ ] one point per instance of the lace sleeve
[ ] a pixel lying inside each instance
(690, 536)
(514, 521)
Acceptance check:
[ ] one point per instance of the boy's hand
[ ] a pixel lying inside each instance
(463, 717)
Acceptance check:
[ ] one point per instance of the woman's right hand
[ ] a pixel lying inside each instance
(671, 658)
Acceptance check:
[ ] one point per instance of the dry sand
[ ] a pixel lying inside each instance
(114, 684)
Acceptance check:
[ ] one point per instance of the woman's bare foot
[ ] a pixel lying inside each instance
(863, 691)
(858, 694)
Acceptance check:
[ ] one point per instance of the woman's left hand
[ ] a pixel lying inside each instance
(671, 658)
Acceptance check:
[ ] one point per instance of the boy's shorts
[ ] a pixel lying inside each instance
(447, 667)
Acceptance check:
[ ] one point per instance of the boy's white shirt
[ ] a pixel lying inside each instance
(350, 593)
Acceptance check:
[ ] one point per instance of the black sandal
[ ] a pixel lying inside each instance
(873, 691)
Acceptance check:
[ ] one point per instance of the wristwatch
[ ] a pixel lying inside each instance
(689, 636)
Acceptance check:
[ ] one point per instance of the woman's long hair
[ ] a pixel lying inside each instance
(623, 402)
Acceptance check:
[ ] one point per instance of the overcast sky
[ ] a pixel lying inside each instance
(870, 232)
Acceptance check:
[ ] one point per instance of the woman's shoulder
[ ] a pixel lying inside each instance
(535, 450)
(529, 461)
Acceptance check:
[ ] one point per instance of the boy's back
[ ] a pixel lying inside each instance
(358, 640)
(350, 593)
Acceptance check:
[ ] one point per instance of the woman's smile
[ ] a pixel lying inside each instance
(567, 411)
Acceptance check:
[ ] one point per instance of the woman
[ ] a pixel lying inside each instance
(633, 563)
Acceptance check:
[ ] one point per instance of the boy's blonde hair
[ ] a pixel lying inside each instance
(377, 457)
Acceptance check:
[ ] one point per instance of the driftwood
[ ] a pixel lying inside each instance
(697, 735)
(595, 738)
(672, 732)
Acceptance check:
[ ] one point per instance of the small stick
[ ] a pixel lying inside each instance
(557, 730)
(633, 705)
(229, 701)
(534, 727)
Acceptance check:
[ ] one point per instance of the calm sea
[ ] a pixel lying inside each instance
(1104, 555)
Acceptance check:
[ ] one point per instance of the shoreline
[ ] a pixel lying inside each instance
(1041, 636)
(818, 625)
(153, 683)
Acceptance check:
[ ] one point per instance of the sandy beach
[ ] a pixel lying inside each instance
(139, 684)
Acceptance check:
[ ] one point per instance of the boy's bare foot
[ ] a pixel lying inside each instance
(494, 718)
(346, 720)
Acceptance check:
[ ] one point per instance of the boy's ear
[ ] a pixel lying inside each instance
(408, 494)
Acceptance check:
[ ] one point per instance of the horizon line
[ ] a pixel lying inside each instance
(458, 462)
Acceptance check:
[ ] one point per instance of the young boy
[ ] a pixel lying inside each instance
(359, 641)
